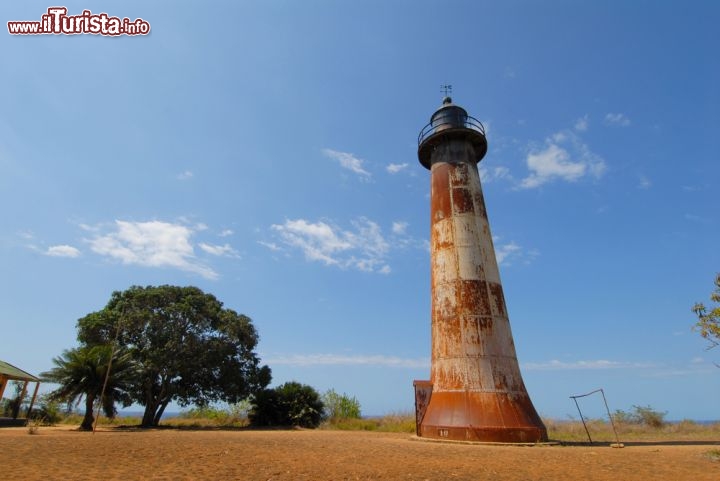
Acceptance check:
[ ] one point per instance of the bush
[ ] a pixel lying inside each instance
(48, 410)
(641, 415)
(399, 422)
(649, 417)
(234, 415)
(11, 407)
(291, 404)
(205, 412)
(340, 406)
(622, 417)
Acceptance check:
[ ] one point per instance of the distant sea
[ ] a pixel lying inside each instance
(139, 414)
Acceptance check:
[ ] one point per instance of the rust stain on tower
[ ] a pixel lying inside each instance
(475, 392)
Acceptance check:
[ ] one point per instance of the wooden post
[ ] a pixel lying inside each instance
(37, 386)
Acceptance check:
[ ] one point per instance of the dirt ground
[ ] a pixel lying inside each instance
(61, 453)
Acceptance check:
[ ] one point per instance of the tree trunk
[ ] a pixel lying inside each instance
(155, 403)
(150, 404)
(87, 423)
(161, 411)
(15, 407)
(149, 415)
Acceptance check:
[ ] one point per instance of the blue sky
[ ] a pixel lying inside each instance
(266, 152)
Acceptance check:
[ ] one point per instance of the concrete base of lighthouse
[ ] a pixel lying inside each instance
(481, 417)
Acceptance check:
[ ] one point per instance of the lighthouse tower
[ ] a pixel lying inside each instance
(475, 392)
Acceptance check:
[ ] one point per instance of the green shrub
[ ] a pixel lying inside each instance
(341, 406)
(234, 415)
(205, 412)
(649, 416)
(399, 422)
(642, 415)
(291, 404)
(48, 411)
(622, 417)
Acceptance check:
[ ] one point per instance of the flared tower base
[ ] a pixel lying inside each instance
(482, 417)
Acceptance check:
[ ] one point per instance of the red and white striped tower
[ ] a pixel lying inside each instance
(475, 391)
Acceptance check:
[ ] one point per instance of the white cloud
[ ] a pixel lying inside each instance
(346, 360)
(399, 228)
(617, 119)
(552, 162)
(649, 369)
(186, 175)
(62, 251)
(698, 219)
(363, 248)
(270, 245)
(555, 365)
(224, 250)
(318, 241)
(151, 244)
(349, 161)
(564, 157)
(510, 252)
(226, 233)
(652, 369)
(559, 137)
(645, 183)
(395, 168)
(505, 251)
(582, 123)
(496, 173)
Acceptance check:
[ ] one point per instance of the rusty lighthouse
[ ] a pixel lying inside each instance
(475, 392)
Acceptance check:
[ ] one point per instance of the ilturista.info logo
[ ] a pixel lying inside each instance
(57, 22)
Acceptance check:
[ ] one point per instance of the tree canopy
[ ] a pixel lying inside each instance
(708, 324)
(187, 347)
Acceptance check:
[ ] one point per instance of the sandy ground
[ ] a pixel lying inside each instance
(62, 453)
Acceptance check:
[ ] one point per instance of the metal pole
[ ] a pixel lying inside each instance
(617, 443)
(612, 423)
(582, 418)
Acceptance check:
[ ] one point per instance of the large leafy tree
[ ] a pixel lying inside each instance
(187, 347)
(81, 372)
(708, 324)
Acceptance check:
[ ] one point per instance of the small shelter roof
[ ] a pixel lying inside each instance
(11, 372)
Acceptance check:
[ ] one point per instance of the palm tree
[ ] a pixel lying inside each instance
(82, 371)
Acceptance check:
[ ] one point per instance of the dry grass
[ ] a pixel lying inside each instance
(70, 419)
(602, 431)
(714, 455)
(404, 422)
(33, 426)
(399, 422)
